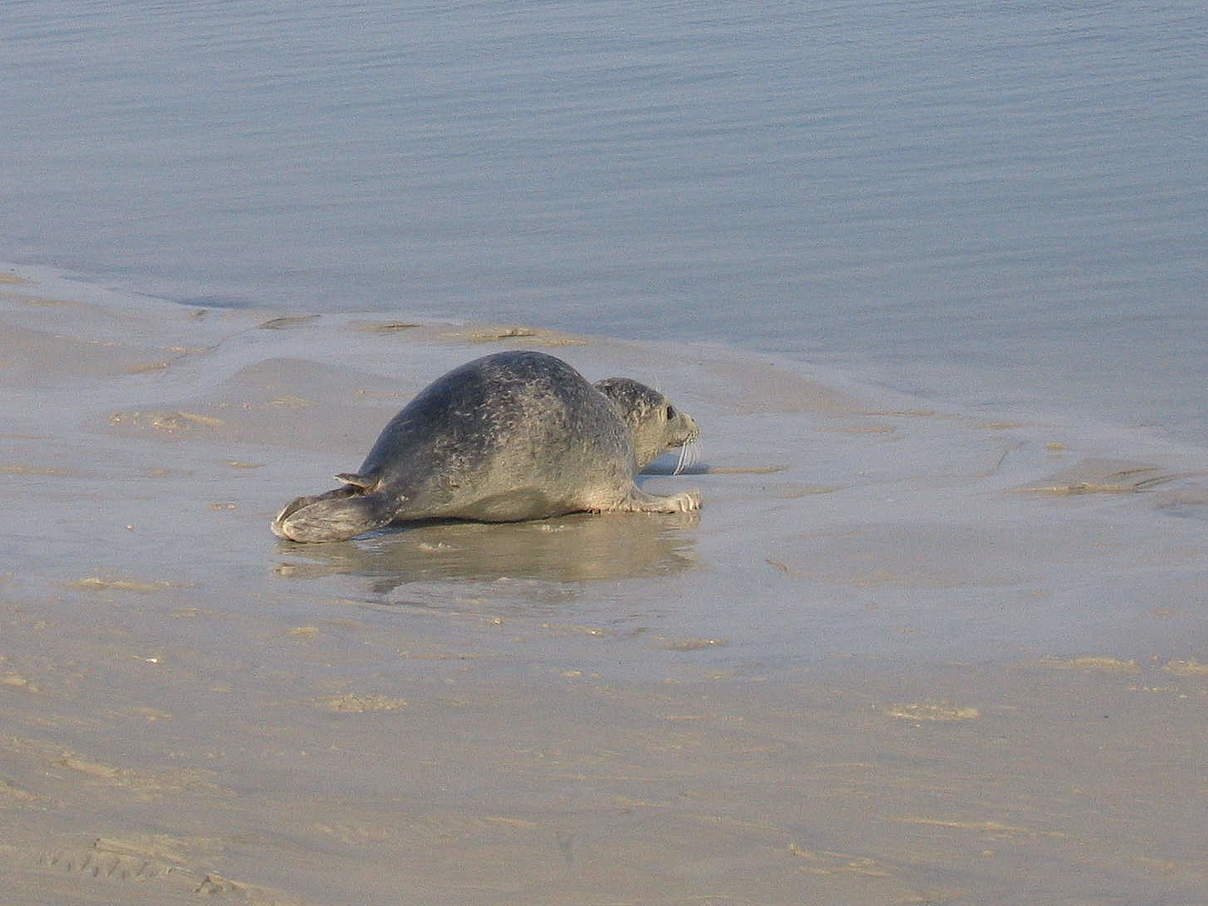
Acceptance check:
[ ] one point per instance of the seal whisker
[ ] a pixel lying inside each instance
(679, 462)
(689, 453)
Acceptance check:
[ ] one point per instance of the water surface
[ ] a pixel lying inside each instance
(995, 204)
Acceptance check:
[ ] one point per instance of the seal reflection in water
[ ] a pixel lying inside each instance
(508, 437)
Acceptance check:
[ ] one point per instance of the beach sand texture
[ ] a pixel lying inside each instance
(903, 655)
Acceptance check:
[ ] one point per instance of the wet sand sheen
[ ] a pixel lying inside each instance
(903, 655)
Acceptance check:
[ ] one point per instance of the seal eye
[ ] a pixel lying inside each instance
(670, 412)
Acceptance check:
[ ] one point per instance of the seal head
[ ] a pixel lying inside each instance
(655, 424)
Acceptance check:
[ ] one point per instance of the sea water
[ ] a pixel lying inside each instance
(999, 205)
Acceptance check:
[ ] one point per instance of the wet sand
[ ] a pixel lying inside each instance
(904, 654)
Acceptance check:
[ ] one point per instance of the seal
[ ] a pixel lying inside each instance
(505, 438)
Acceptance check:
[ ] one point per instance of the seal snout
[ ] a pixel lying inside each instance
(689, 430)
(685, 435)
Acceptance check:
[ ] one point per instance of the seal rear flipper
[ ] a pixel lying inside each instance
(336, 516)
(299, 502)
(357, 481)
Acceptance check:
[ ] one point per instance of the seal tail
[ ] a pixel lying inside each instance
(335, 516)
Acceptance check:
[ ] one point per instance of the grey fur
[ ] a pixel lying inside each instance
(508, 437)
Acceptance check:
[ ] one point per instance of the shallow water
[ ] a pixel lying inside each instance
(996, 204)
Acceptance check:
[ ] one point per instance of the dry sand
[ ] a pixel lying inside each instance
(904, 655)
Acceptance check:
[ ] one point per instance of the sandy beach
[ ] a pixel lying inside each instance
(903, 655)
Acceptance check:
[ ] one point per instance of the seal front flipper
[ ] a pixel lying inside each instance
(336, 516)
(638, 501)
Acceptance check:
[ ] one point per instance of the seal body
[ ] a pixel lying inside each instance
(508, 437)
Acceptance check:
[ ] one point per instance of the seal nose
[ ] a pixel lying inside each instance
(692, 428)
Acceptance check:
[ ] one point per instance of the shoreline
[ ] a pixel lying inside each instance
(1090, 432)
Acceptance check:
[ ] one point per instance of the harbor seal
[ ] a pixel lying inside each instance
(505, 438)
